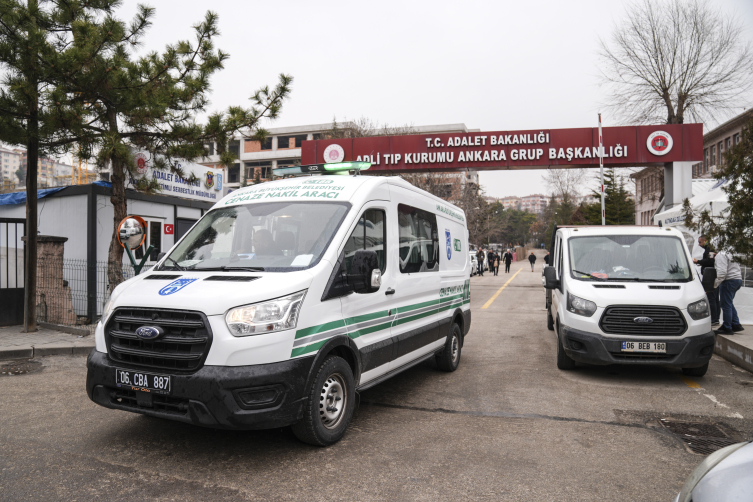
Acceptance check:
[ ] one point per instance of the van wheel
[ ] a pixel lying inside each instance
(549, 320)
(449, 358)
(563, 360)
(696, 372)
(330, 404)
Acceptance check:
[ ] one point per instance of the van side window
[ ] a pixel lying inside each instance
(419, 240)
(370, 234)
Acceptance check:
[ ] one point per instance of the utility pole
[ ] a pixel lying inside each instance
(32, 159)
(601, 175)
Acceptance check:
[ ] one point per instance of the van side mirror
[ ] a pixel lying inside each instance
(365, 276)
(550, 278)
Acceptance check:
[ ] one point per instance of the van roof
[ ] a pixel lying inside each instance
(319, 188)
(578, 230)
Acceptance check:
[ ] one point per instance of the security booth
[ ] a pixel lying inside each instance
(79, 219)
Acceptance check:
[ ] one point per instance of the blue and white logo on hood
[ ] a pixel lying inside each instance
(175, 286)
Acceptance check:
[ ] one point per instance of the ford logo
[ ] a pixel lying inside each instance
(149, 332)
(643, 320)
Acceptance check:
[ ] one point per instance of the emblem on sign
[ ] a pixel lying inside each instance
(209, 179)
(218, 181)
(458, 246)
(643, 320)
(175, 286)
(659, 143)
(448, 239)
(334, 154)
(141, 163)
(149, 332)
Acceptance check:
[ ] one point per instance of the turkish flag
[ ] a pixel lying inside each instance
(168, 229)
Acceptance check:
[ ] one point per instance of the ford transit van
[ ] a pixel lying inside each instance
(627, 295)
(285, 299)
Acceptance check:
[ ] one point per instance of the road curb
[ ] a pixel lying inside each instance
(65, 329)
(734, 352)
(61, 349)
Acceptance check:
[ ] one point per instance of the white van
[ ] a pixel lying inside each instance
(627, 295)
(285, 299)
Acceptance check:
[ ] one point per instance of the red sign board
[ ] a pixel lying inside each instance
(533, 149)
(168, 229)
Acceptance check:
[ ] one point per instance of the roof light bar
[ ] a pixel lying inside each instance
(339, 168)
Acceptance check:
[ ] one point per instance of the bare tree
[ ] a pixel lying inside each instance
(676, 59)
(562, 182)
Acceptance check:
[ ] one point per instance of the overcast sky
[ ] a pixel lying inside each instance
(496, 65)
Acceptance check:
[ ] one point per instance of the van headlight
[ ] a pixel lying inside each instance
(699, 310)
(265, 317)
(579, 306)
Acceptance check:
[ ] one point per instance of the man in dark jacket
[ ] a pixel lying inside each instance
(707, 261)
(507, 258)
(532, 259)
(480, 258)
(546, 259)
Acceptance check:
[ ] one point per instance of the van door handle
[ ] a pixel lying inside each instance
(389, 291)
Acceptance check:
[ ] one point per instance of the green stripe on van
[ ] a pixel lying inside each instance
(319, 329)
(365, 317)
(299, 351)
(371, 329)
(408, 308)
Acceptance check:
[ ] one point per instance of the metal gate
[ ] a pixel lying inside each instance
(12, 259)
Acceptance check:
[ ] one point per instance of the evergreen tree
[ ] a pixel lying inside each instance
(149, 103)
(620, 209)
(40, 47)
(733, 229)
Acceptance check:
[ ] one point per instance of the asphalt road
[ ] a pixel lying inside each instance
(507, 425)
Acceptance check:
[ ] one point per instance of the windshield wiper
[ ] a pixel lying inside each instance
(224, 268)
(589, 275)
(176, 264)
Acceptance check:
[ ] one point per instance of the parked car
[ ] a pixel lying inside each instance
(726, 474)
(285, 299)
(627, 295)
(474, 263)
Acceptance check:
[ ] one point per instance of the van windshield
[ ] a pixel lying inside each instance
(273, 237)
(647, 258)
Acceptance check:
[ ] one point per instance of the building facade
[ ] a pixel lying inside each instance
(10, 162)
(717, 142)
(511, 202)
(535, 203)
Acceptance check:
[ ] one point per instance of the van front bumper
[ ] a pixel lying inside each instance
(592, 348)
(262, 396)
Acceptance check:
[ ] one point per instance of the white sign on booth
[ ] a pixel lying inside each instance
(209, 186)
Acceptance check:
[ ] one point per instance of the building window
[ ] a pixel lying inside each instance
(233, 173)
(234, 147)
(713, 155)
(267, 145)
(719, 149)
(264, 170)
(736, 139)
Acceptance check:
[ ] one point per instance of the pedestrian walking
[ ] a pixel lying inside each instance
(507, 258)
(532, 259)
(707, 261)
(496, 263)
(480, 258)
(546, 259)
(729, 280)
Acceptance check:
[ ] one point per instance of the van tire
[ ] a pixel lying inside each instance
(549, 320)
(563, 360)
(321, 427)
(696, 372)
(449, 358)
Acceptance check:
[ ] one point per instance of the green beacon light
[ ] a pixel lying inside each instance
(339, 168)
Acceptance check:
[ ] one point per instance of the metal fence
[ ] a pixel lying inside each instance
(63, 295)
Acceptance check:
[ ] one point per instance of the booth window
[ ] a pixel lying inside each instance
(419, 240)
(370, 234)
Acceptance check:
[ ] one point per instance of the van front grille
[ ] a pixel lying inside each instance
(622, 320)
(183, 345)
